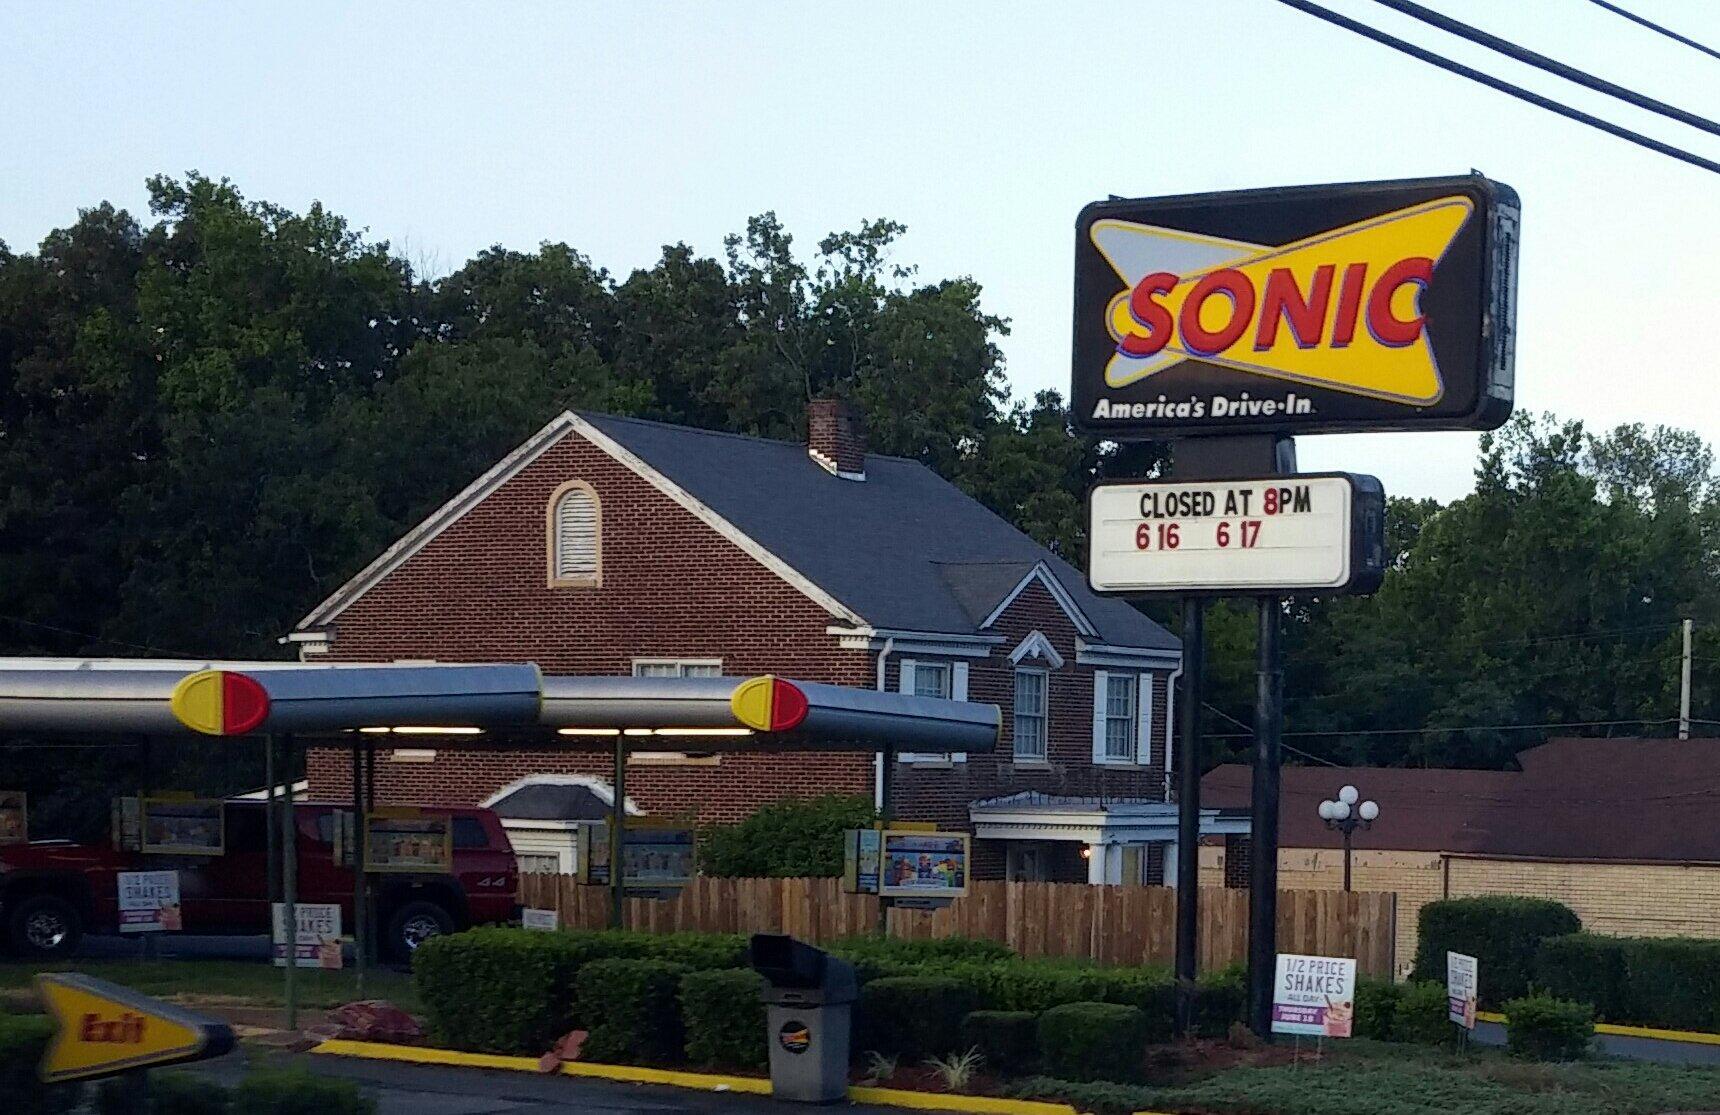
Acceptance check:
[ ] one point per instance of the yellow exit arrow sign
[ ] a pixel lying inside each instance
(103, 1029)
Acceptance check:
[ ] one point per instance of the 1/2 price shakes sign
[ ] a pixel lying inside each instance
(1279, 534)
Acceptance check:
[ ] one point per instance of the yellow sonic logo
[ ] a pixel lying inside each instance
(1340, 310)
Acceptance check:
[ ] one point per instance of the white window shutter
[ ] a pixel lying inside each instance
(1099, 683)
(1144, 729)
(906, 683)
(958, 692)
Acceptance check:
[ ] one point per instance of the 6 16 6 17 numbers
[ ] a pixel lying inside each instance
(1168, 536)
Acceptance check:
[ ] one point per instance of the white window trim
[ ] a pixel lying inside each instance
(638, 662)
(1143, 755)
(674, 758)
(958, 692)
(1044, 757)
(594, 579)
(1037, 645)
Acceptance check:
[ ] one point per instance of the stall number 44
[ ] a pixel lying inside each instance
(1168, 536)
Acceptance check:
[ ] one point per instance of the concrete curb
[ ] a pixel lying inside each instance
(1693, 1037)
(705, 1082)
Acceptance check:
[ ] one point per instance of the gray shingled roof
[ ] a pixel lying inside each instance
(905, 548)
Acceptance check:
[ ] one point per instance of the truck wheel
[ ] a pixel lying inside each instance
(44, 927)
(414, 923)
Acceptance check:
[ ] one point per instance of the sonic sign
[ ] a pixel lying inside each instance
(1314, 309)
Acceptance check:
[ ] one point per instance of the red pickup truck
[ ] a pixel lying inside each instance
(51, 892)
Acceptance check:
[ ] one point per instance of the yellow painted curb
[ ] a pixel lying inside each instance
(419, 1055)
(933, 1101)
(1693, 1037)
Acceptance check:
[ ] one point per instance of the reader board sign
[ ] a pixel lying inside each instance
(182, 826)
(656, 855)
(1310, 309)
(1462, 986)
(1314, 995)
(1277, 534)
(149, 902)
(861, 860)
(402, 838)
(924, 864)
(14, 817)
(317, 942)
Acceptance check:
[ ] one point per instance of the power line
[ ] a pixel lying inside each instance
(1293, 750)
(1472, 728)
(97, 638)
(1500, 84)
(1653, 26)
(1550, 65)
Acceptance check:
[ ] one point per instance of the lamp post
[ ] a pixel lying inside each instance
(1347, 816)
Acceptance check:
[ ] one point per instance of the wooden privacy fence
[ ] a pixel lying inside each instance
(1109, 924)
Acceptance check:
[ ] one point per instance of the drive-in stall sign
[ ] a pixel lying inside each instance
(1292, 533)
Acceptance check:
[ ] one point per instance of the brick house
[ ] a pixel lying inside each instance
(611, 546)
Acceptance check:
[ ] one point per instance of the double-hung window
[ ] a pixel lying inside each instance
(944, 680)
(1122, 717)
(676, 668)
(1030, 705)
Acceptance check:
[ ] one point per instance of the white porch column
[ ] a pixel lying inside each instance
(1113, 864)
(1171, 850)
(1097, 855)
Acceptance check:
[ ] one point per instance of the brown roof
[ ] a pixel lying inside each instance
(1587, 799)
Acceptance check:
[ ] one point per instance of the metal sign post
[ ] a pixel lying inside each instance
(1188, 759)
(289, 875)
(618, 839)
(1263, 820)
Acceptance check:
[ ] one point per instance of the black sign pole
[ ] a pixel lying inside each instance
(290, 877)
(1263, 834)
(1188, 759)
(355, 850)
(617, 835)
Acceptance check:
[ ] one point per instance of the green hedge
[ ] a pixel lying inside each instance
(23, 1039)
(1007, 1039)
(497, 990)
(912, 1016)
(1585, 968)
(1543, 1028)
(724, 1018)
(169, 1093)
(1503, 934)
(632, 1010)
(297, 1092)
(792, 838)
(1671, 982)
(1423, 1015)
(1376, 1007)
(1220, 998)
(1039, 985)
(1093, 1041)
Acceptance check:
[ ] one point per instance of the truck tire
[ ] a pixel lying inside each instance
(414, 923)
(44, 927)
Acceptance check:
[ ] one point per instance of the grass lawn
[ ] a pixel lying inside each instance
(247, 982)
(1376, 1078)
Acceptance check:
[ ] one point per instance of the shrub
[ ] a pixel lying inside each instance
(897, 950)
(1543, 1028)
(1502, 933)
(496, 990)
(1422, 1015)
(723, 1018)
(788, 839)
(1585, 968)
(1101, 1097)
(1376, 1007)
(1672, 982)
(912, 1016)
(296, 1092)
(23, 1039)
(1093, 1041)
(1007, 1039)
(1220, 997)
(169, 1093)
(1038, 985)
(632, 1009)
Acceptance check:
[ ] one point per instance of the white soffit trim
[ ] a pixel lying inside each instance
(510, 466)
(945, 644)
(1042, 573)
(1036, 645)
(1136, 658)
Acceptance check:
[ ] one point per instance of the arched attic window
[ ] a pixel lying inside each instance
(575, 537)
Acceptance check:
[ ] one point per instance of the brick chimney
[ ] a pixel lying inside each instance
(836, 438)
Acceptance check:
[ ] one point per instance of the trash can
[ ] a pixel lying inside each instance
(809, 998)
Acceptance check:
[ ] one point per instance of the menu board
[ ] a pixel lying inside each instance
(656, 855)
(924, 864)
(14, 817)
(407, 839)
(182, 826)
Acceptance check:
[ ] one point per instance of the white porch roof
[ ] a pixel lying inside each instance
(1031, 815)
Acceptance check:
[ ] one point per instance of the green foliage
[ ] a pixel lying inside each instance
(296, 1092)
(23, 1040)
(498, 990)
(792, 838)
(1008, 1039)
(1093, 1041)
(915, 951)
(1037, 985)
(724, 1018)
(1422, 1014)
(1502, 933)
(912, 1016)
(169, 1093)
(1376, 1007)
(1220, 997)
(633, 1011)
(1543, 1028)
(1586, 968)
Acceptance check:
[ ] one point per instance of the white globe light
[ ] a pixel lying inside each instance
(1340, 810)
(1369, 810)
(1348, 795)
(1326, 810)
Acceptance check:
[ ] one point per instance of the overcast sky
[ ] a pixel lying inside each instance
(984, 127)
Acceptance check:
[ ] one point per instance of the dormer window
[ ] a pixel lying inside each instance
(575, 537)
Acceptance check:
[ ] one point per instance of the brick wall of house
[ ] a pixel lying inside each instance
(671, 588)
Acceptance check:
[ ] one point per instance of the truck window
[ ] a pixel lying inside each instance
(469, 833)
